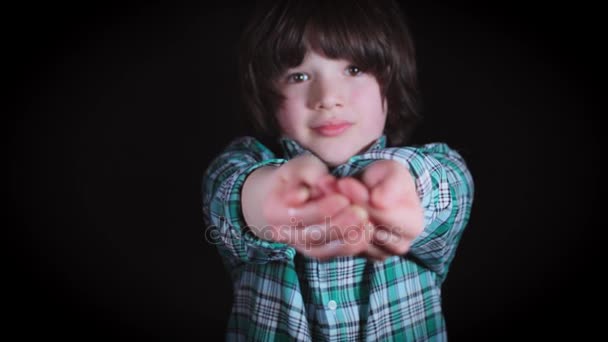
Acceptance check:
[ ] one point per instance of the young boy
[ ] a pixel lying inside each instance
(340, 237)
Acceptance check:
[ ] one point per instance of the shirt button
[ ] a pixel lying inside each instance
(332, 305)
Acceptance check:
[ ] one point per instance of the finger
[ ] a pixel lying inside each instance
(391, 243)
(374, 174)
(376, 253)
(347, 223)
(378, 179)
(387, 192)
(304, 169)
(354, 190)
(334, 248)
(388, 181)
(405, 221)
(326, 185)
(345, 226)
(344, 234)
(384, 195)
(314, 212)
(297, 196)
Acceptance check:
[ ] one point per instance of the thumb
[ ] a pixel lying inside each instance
(383, 185)
(353, 190)
(385, 194)
(297, 196)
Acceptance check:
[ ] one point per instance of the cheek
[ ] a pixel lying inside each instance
(368, 95)
(287, 119)
(370, 102)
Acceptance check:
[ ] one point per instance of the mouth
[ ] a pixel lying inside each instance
(332, 129)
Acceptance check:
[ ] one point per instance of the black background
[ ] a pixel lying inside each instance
(119, 110)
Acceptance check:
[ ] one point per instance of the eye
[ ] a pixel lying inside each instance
(353, 70)
(297, 77)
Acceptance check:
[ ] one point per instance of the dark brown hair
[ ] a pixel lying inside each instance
(370, 33)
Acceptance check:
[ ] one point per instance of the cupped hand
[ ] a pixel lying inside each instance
(394, 206)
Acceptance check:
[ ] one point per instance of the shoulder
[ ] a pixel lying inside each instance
(247, 144)
(436, 149)
(244, 150)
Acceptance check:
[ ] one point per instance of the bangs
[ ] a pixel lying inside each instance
(337, 29)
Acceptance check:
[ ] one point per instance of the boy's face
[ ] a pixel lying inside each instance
(331, 107)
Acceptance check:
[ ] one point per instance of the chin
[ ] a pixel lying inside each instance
(333, 159)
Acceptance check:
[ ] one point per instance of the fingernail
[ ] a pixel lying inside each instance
(303, 193)
(359, 211)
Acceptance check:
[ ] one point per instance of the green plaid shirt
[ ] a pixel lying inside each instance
(279, 295)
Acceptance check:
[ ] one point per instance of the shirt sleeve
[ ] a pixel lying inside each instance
(445, 187)
(222, 184)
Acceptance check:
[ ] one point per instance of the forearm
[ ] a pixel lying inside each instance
(445, 190)
(222, 207)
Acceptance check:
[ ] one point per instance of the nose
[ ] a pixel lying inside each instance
(326, 94)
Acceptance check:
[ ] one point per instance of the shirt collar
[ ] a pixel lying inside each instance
(292, 148)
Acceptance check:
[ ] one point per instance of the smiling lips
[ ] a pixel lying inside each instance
(332, 129)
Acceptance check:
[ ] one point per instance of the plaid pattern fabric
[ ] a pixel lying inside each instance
(284, 296)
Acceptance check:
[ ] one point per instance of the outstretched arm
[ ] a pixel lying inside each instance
(444, 188)
(222, 185)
